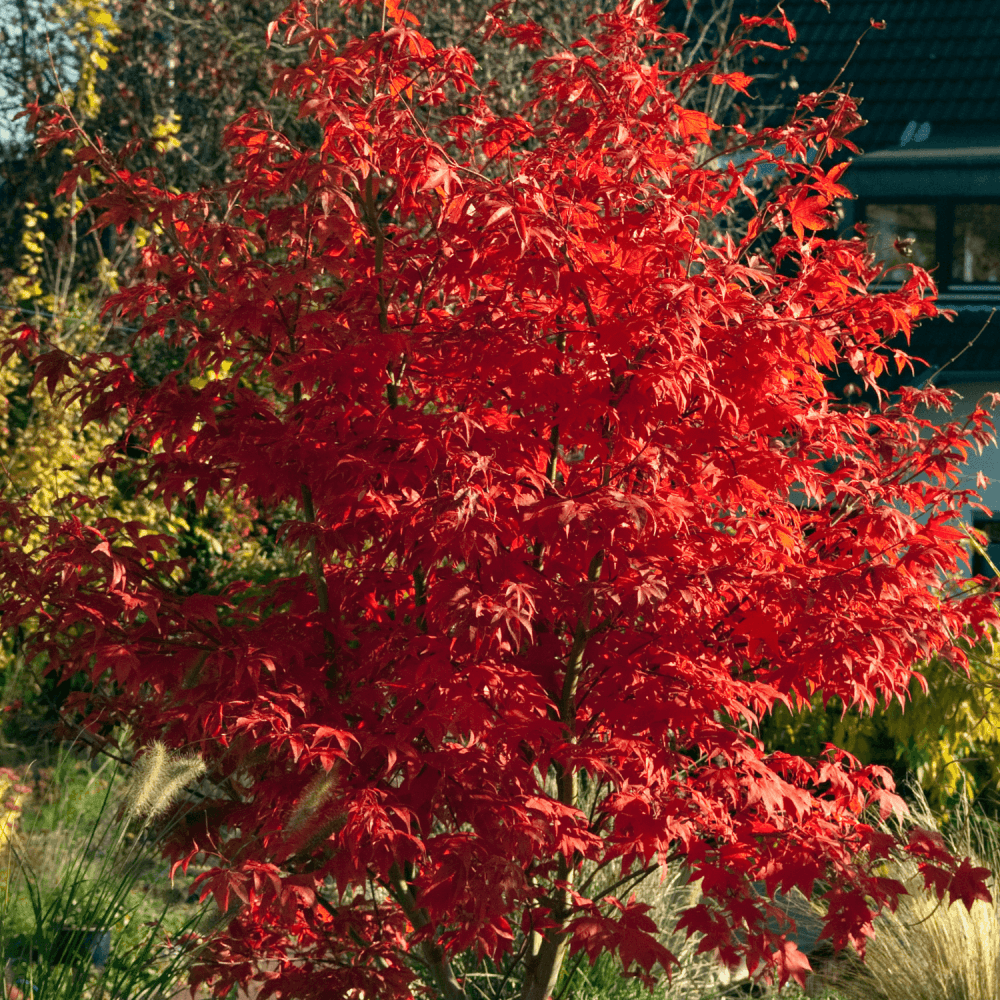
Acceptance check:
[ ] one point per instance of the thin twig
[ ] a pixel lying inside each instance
(935, 374)
(937, 907)
(980, 550)
(847, 61)
(511, 966)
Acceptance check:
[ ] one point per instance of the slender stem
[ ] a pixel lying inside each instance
(548, 953)
(511, 966)
(322, 594)
(315, 562)
(930, 378)
(550, 470)
(538, 549)
(373, 223)
(420, 595)
(572, 975)
(432, 952)
(574, 664)
(546, 961)
(316, 567)
(371, 211)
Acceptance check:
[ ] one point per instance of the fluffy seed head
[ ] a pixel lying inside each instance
(157, 779)
(314, 795)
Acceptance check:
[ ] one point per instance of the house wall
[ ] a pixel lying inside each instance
(988, 462)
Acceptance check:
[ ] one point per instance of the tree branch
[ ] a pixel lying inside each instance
(432, 953)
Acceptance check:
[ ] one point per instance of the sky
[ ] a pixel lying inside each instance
(10, 20)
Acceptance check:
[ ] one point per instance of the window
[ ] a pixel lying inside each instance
(992, 532)
(960, 240)
(889, 223)
(976, 255)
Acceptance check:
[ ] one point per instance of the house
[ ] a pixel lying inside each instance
(930, 170)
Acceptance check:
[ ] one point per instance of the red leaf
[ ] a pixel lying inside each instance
(692, 123)
(791, 964)
(787, 25)
(806, 212)
(969, 884)
(738, 81)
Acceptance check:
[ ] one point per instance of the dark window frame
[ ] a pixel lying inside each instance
(991, 526)
(944, 243)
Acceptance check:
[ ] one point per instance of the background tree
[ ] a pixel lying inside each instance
(108, 63)
(946, 736)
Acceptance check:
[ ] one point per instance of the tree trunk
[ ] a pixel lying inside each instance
(544, 967)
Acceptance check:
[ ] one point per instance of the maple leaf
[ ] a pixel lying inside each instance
(641, 947)
(927, 844)
(806, 212)
(527, 32)
(53, 367)
(398, 12)
(826, 185)
(968, 883)
(791, 964)
(738, 81)
(715, 933)
(759, 625)
(694, 124)
(439, 174)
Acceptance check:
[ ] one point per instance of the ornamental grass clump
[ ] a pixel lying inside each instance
(928, 949)
(90, 909)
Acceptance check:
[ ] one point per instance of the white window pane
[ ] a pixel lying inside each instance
(977, 243)
(888, 224)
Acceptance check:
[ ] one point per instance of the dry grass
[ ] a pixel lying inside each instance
(697, 975)
(928, 950)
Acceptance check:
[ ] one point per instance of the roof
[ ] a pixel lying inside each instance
(917, 157)
(937, 61)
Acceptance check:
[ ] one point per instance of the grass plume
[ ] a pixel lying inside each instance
(311, 821)
(314, 796)
(158, 777)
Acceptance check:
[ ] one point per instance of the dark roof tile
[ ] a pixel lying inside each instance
(935, 61)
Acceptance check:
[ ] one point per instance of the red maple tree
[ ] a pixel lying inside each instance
(576, 509)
